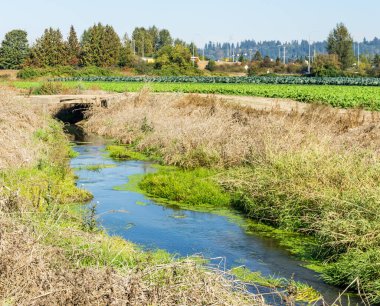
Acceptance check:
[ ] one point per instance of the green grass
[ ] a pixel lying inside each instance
(96, 168)
(338, 96)
(124, 153)
(299, 291)
(193, 187)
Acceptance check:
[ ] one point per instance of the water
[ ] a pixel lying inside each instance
(142, 221)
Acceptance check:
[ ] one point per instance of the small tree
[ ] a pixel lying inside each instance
(340, 42)
(127, 57)
(326, 65)
(14, 49)
(257, 57)
(176, 57)
(211, 65)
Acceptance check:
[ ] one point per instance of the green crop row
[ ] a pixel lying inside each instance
(359, 81)
(364, 97)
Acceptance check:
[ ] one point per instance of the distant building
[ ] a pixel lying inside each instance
(149, 60)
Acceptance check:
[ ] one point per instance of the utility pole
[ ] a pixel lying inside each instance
(358, 54)
(134, 46)
(233, 55)
(284, 55)
(143, 47)
(193, 58)
(309, 61)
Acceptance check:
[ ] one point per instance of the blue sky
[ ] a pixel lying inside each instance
(199, 20)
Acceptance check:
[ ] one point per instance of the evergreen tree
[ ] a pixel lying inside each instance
(165, 39)
(340, 43)
(14, 49)
(257, 57)
(49, 50)
(73, 48)
(100, 47)
(155, 38)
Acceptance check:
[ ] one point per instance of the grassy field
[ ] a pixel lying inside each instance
(315, 173)
(364, 97)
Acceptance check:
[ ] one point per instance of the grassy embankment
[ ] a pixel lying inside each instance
(315, 173)
(51, 252)
(364, 97)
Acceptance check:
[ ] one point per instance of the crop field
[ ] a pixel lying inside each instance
(289, 80)
(365, 97)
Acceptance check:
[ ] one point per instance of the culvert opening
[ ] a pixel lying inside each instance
(72, 113)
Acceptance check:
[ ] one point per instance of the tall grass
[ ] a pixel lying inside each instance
(315, 171)
(48, 253)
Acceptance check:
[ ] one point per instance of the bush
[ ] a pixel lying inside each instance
(50, 88)
(211, 66)
(66, 71)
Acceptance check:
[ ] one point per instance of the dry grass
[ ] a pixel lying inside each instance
(35, 274)
(18, 121)
(315, 171)
(188, 129)
(47, 259)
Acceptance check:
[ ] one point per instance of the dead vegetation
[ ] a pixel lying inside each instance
(17, 122)
(35, 274)
(196, 131)
(47, 258)
(314, 171)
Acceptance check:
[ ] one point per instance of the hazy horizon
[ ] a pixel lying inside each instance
(199, 21)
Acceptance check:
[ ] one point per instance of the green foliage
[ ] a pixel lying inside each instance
(127, 58)
(100, 46)
(173, 55)
(340, 43)
(144, 41)
(359, 268)
(195, 188)
(122, 152)
(326, 65)
(181, 61)
(14, 49)
(66, 71)
(165, 39)
(211, 65)
(49, 51)
(50, 88)
(365, 97)
(299, 291)
(73, 48)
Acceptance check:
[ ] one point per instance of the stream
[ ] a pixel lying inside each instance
(140, 220)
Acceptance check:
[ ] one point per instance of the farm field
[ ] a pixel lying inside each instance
(364, 97)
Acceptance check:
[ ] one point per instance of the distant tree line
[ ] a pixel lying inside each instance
(334, 57)
(98, 46)
(274, 48)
